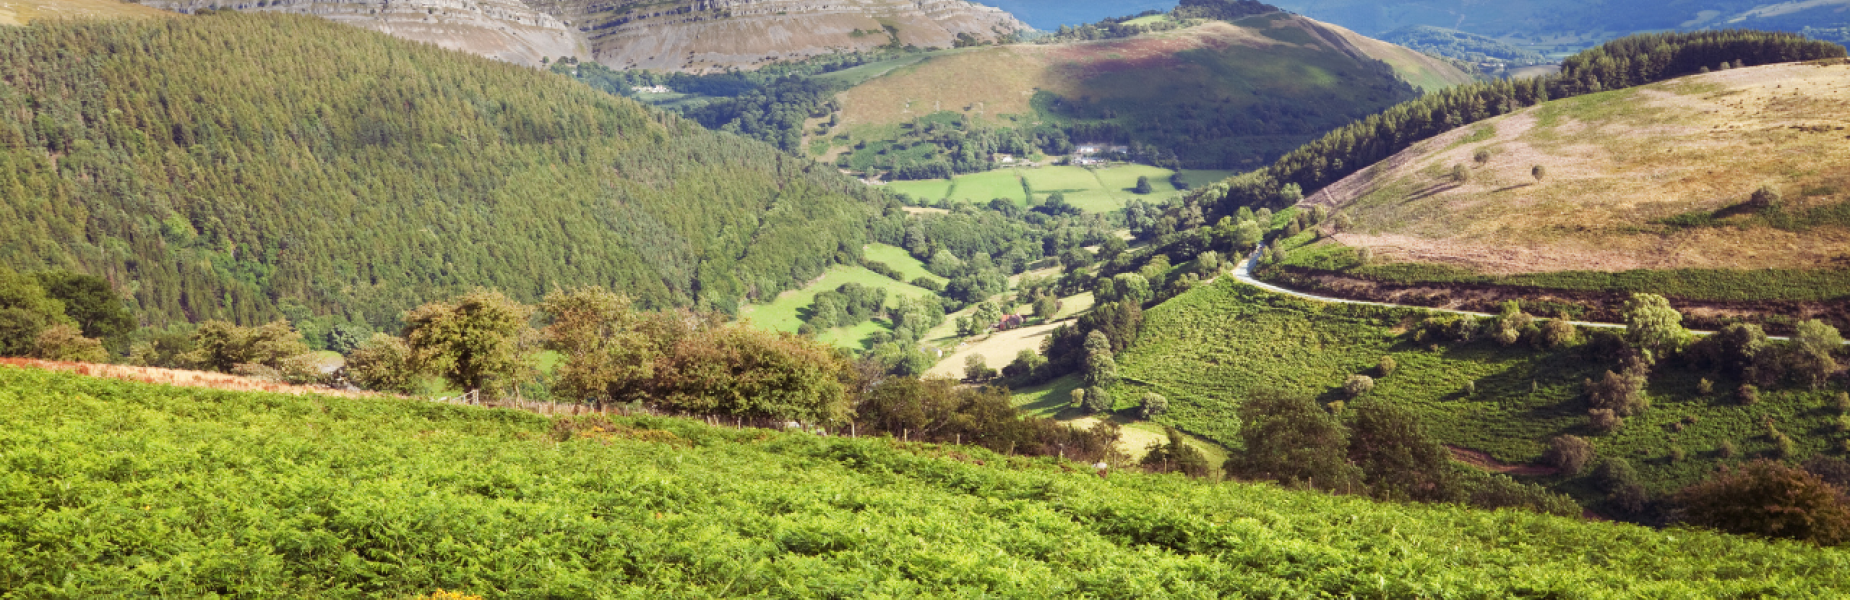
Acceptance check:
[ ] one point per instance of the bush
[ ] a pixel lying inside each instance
(1725, 449)
(1571, 454)
(1676, 454)
(976, 369)
(1705, 387)
(1747, 394)
(1619, 480)
(1386, 366)
(1604, 420)
(1557, 333)
(1153, 404)
(383, 364)
(1174, 455)
(1768, 499)
(1843, 403)
(65, 343)
(1622, 394)
(1292, 441)
(1096, 401)
(1358, 385)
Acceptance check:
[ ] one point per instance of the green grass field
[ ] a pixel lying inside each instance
(783, 314)
(900, 260)
(1212, 347)
(983, 187)
(116, 488)
(1092, 190)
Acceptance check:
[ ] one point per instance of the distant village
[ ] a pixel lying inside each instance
(1084, 155)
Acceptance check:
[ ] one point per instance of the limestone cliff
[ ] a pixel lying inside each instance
(674, 35)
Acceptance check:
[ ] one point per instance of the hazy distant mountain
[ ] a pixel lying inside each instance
(1575, 22)
(1048, 15)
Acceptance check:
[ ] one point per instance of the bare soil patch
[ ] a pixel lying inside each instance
(1484, 461)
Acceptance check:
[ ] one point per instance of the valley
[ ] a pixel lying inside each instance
(551, 298)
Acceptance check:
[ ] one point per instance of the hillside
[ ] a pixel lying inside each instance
(21, 12)
(1217, 95)
(679, 35)
(1565, 25)
(249, 166)
(117, 487)
(1659, 178)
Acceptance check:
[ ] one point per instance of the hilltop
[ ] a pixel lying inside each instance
(247, 167)
(1663, 178)
(119, 487)
(1215, 94)
(679, 35)
(21, 12)
(1558, 26)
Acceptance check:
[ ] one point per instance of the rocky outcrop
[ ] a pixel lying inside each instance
(508, 30)
(677, 35)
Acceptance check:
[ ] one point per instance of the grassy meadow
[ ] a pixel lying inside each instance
(1214, 346)
(119, 488)
(785, 313)
(1096, 190)
(900, 260)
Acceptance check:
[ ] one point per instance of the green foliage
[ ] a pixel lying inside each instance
(1174, 455)
(65, 343)
(221, 346)
(383, 364)
(1459, 45)
(1571, 454)
(472, 341)
(940, 411)
(1653, 326)
(25, 311)
(1291, 440)
(1209, 350)
(89, 300)
(219, 166)
(1153, 404)
(247, 494)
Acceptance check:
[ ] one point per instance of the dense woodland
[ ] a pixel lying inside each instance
(244, 167)
(1459, 45)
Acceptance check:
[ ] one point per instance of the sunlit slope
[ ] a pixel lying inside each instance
(112, 488)
(1657, 177)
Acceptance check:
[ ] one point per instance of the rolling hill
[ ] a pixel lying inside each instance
(679, 35)
(1563, 25)
(117, 487)
(246, 166)
(1217, 94)
(1645, 189)
(21, 12)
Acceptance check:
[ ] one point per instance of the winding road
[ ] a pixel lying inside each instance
(1244, 273)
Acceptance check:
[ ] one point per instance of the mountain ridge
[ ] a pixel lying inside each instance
(682, 35)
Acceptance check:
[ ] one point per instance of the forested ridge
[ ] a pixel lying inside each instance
(242, 167)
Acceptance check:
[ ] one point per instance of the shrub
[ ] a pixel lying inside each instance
(1097, 401)
(63, 342)
(1747, 394)
(1705, 387)
(1622, 394)
(1604, 420)
(1571, 454)
(1174, 455)
(1079, 397)
(1358, 385)
(1538, 172)
(1460, 174)
(1619, 480)
(1785, 448)
(1768, 499)
(1676, 454)
(383, 364)
(976, 368)
(1557, 333)
(1153, 404)
(1843, 403)
(1725, 449)
(1481, 156)
(1386, 366)
(1292, 441)
(221, 346)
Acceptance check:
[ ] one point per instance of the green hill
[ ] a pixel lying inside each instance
(248, 166)
(1719, 189)
(1213, 94)
(112, 487)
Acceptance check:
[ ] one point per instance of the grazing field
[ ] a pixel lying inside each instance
(1053, 400)
(120, 488)
(1209, 349)
(901, 260)
(1091, 189)
(1654, 178)
(983, 187)
(786, 312)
